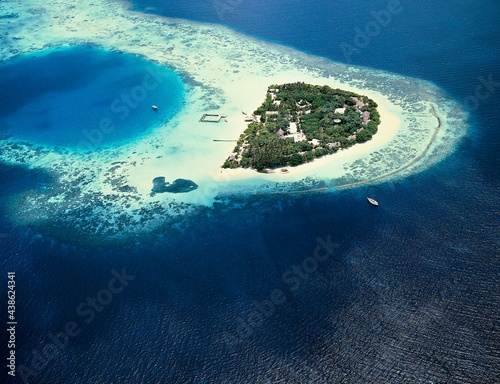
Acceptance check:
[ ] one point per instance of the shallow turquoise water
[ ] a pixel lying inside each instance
(409, 295)
(85, 97)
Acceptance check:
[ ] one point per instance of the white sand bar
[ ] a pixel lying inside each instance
(225, 73)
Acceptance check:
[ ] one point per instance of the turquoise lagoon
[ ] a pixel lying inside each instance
(85, 97)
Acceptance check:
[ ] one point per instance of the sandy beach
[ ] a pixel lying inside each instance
(221, 76)
(330, 166)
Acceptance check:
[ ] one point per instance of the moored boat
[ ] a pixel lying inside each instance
(372, 201)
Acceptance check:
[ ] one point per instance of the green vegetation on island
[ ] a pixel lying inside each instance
(300, 122)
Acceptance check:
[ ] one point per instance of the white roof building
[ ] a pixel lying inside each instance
(315, 142)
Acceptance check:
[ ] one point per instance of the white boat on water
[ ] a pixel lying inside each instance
(372, 201)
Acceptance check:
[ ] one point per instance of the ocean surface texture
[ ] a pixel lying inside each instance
(305, 288)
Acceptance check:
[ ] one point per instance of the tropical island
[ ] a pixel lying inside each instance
(299, 122)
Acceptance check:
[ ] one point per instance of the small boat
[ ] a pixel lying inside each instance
(372, 201)
(155, 108)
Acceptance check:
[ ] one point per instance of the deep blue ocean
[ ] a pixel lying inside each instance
(408, 292)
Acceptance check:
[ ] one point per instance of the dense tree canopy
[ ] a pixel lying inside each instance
(326, 120)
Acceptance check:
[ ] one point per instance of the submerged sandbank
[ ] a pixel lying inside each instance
(224, 73)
